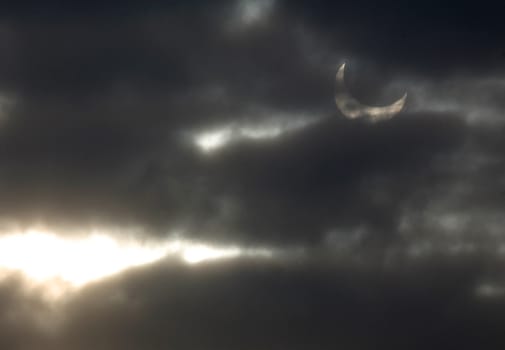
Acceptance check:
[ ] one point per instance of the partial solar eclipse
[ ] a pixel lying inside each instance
(352, 108)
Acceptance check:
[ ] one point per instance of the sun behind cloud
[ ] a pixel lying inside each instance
(43, 256)
(55, 261)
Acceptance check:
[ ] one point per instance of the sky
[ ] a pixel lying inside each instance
(176, 175)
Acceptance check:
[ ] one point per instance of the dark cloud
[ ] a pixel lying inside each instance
(103, 104)
(255, 305)
(334, 174)
(22, 324)
(400, 220)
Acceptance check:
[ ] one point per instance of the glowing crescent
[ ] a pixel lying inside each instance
(352, 108)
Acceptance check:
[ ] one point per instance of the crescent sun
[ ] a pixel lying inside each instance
(352, 108)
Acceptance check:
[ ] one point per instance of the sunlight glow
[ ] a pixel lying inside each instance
(43, 256)
(195, 254)
(212, 140)
(199, 253)
(63, 263)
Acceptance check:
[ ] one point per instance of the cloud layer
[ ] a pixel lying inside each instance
(398, 223)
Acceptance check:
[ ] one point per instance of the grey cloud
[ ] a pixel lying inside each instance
(105, 96)
(272, 305)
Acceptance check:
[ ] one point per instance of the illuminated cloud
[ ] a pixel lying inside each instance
(198, 253)
(250, 12)
(44, 256)
(67, 263)
(476, 99)
(211, 140)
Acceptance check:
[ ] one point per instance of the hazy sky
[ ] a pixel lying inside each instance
(176, 175)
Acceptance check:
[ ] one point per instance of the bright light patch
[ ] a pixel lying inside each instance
(199, 253)
(62, 264)
(43, 256)
(212, 140)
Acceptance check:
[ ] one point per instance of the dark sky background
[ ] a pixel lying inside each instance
(400, 221)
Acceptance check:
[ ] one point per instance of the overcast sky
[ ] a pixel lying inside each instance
(215, 122)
